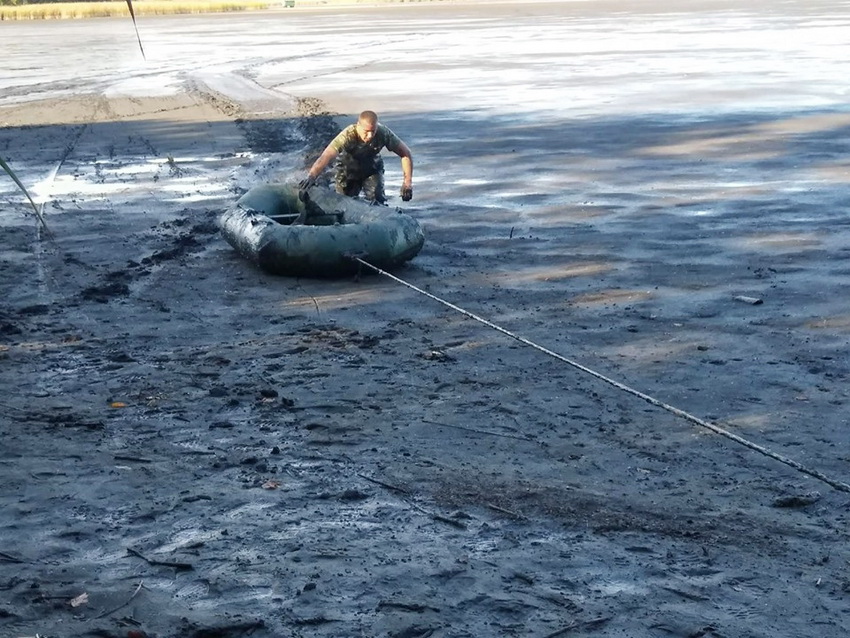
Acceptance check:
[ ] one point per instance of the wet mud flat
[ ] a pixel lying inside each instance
(193, 448)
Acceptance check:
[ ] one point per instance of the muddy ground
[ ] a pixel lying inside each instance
(195, 449)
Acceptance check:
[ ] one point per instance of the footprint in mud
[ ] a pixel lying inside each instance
(9, 328)
(38, 309)
(10, 325)
(184, 242)
(105, 292)
(117, 283)
(59, 418)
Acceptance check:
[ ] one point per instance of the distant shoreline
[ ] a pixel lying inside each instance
(117, 8)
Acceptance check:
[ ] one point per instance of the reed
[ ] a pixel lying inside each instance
(11, 173)
(77, 10)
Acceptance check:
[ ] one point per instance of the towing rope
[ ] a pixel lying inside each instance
(838, 485)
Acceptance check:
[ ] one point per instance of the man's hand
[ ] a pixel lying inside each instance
(307, 182)
(406, 193)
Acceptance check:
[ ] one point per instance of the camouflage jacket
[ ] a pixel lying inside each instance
(349, 143)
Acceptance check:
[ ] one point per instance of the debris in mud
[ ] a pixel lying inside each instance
(436, 355)
(179, 566)
(82, 599)
(236, 630)
(9, 328)
(59, 418)
(185, 244)
(799, 500)
(412, 607)
(753, 301)
(174, 169)
(414, 631)
(116, 285)
(37, 309)
(104, 293)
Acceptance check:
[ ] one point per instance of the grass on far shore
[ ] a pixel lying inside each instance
(72, 10)
(110, 8)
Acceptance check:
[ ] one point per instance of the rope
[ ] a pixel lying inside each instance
(838, 485)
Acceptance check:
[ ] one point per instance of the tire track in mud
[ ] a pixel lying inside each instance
(46, 269)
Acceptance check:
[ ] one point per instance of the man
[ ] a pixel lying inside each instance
(360, 166)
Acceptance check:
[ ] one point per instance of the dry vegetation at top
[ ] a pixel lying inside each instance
(76, 10)
(106, 9)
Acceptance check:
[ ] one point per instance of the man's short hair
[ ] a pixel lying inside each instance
(369, 116)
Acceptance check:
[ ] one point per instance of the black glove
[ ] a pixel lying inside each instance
(307, 182)
(406, 193)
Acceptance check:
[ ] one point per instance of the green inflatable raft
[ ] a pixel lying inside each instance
(318, 234)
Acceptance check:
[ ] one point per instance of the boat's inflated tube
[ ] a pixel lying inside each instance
(329, 230)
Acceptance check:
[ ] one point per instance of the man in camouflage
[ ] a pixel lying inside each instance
(360, 167)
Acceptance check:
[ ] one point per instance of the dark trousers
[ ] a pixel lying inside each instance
(354, 177)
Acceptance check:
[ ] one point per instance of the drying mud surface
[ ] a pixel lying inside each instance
(194, 449)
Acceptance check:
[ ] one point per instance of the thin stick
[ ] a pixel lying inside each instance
(315, 301)
(415, 607)
(447, 520)
(488, 432)
(12, 407)
(17, 181)
(10, 558)
(126, 457)
(112, 611)
(504, 511)
(438, 517)
(138, 37)
(161, 563)
(382, 484)
(562, 631)
(571, 626)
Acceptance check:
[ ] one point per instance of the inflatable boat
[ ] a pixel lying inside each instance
(317, 233)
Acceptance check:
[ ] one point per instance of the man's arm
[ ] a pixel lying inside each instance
(327, 156)
(403, 151)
